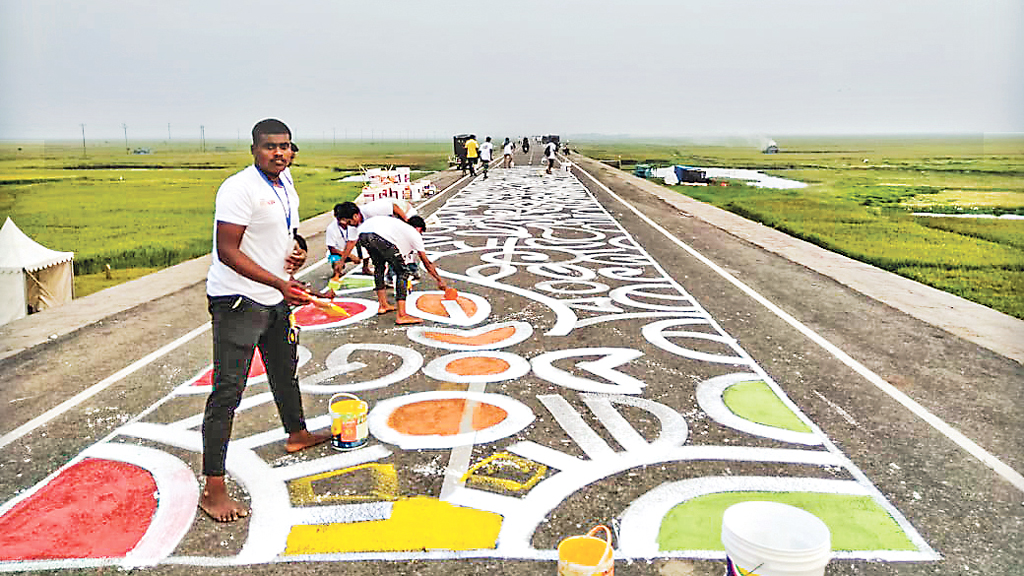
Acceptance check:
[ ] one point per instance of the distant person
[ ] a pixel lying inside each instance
(549, 154)
(506, 152)
(486, 155)
(250, 289)
(391, 242)
(351, 215)
(526, 144)
(472, 153)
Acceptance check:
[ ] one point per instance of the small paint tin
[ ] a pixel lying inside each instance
(348, 421)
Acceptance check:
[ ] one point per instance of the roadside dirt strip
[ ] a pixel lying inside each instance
(609, 360)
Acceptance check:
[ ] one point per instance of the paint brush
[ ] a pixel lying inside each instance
(328, 306)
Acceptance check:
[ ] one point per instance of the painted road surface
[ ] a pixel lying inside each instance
(583, 376)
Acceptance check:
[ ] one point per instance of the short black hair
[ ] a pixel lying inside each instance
(417, 222)
(346, 210)
(301, 242)
(269, 126)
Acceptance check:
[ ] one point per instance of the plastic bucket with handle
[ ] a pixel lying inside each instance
(587, 555)
(774, 539)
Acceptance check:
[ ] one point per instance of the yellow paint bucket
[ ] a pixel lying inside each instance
(587, 555)
(348, 421)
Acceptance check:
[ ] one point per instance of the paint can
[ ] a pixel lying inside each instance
(587, 555)
(348, 421)
(566, 166)
(774, 539)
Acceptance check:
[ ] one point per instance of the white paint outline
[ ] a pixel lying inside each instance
(954, 435)
(655, 334)
(519, 416)
(456, 313)
(190, 387)
(641, 521)
(710, 400)
(543, 367)
(517, 367)
(523, 331)
(338, 363)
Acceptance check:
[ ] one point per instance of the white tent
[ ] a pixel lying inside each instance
(31, 275)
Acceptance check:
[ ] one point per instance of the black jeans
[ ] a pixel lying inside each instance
(382, 251)
(241, 325)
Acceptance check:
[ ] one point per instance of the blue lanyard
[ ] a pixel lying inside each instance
(286, 203)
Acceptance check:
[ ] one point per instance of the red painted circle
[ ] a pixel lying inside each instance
(93, 509)
(310, 315)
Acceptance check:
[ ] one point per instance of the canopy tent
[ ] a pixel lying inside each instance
(31, 275)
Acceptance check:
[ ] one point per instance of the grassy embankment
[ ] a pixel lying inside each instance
(861, 197)
(141, 213)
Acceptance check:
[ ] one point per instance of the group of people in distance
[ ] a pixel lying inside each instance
(475, 151)
(251, 290)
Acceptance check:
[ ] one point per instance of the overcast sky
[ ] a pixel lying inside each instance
(331, 68)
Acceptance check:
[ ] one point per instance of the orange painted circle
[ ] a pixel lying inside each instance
(477, 366)
(490, 337)
(442, 417)
(431, 304)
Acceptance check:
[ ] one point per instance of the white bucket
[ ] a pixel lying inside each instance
(773, 539)
(566, 166)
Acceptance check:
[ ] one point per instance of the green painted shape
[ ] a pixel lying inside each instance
(856, 522)
(755, 401)
(361, 282)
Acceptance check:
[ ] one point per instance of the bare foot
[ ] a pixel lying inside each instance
(216, 502)
(304, 439)
(407, 319)
(386, 309)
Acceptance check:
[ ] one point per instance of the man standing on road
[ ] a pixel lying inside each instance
(472, 153)
(250, 289)
(549, 154)
(486, 151)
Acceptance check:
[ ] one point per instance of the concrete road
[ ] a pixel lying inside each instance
(617, 356)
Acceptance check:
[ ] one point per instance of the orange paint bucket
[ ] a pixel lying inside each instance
(348, 421)
(587, 555)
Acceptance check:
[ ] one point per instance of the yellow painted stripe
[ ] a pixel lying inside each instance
(418, 523)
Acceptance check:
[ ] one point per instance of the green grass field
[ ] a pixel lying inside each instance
(141, 212)
(148, 211)
(861, 197)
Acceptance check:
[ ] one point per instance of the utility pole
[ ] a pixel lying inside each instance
(168, 131)
(127, 150)
(202, 137)
(83, 139)
(334, 138)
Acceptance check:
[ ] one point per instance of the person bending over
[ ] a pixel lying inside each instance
(391, 241)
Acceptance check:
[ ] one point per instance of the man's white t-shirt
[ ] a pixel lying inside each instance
(485, 151)
(549, 149)
(336, 236)
(507, 150)
(248, 199)
(406, 238)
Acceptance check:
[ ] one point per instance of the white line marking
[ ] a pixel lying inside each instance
(1011, 475)
(458, 461)
(96, 388)
(102, 385)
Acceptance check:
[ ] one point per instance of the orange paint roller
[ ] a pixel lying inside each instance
(451, 294)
